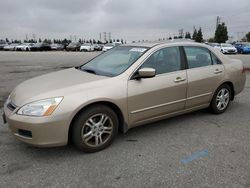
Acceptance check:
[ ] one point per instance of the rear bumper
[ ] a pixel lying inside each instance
(37, 131)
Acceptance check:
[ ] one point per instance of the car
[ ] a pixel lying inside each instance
(125, 87)
(242, 48)
(40, 47)
(24, 47)
(107, 47)
(214, 44)
(57, 47)
(87, 47)
(10, 47)
(2, 44)
(73, 46)
(98, 47)
(226, 48)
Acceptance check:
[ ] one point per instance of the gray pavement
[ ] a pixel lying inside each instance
(193, 150)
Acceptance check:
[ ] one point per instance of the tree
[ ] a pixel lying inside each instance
(211, 40)
(40, 40)
(7, 40)
(199, 36)
(194, 34)
(248, 36)
(187, 35)
(221, 34)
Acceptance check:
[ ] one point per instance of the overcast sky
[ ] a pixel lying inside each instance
(128, 19)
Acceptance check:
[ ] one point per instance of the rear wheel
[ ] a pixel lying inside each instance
(221, 99)
(95, 128)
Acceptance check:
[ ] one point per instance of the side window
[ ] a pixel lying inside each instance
(197, 57)
(164, 60)
(215, 60)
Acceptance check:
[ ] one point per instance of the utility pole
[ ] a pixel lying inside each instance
(104, 36)
(109, 34)
(181, 33)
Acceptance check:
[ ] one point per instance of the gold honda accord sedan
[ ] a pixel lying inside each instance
(127, 86)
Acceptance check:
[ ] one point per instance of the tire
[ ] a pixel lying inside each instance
(89, 124)
(220, 104)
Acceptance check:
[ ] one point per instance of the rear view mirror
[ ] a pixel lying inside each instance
(146, 73)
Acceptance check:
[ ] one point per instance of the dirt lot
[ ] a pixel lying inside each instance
(193, 150)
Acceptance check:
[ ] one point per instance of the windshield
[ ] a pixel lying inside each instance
(247, 45)
(226, 45)
(115, 61)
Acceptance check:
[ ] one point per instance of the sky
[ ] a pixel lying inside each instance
(127, 19)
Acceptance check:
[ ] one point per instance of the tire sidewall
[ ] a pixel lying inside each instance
(213, 105)
(83, 117)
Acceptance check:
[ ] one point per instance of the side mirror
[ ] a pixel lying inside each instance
(146, 73)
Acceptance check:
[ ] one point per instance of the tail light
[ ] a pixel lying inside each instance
(243, 70)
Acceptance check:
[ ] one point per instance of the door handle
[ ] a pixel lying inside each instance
(217, 71)
(179, 79)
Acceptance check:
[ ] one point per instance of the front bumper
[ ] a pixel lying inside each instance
(38, 131)
(229, 51)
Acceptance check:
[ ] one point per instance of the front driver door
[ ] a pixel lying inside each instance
(165, 93)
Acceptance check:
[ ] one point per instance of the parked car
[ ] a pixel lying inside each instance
(24, 47)
(87, 47)
(227, 48)
(98, 47)
(214, 44)
(10, 47)
(57, 47)
(121, 89)
(2, 44)
(108, 46)
(242, 48)
(73, 46)
(40, 47)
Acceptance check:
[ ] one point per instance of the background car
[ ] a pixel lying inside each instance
(24, 47)
(87, 47)
(40, 47)
(10, 47)
(98, 47)
(214, 44)
(108, 46)
(2, 44)
(242, 48)
(73, 46)
(57, 47)
(226, 48)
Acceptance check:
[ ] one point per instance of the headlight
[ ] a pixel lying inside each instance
(40, 108)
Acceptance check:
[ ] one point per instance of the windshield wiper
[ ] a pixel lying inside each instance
(89, 71)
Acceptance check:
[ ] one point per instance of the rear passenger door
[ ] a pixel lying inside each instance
(204, 72)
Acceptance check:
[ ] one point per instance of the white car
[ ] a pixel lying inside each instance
(23, 47)
(87, 47)
(227, 48)
(107, 47)
(10, 47)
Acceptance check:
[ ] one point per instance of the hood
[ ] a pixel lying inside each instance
(51, 85)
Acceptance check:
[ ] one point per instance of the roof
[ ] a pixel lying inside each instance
(151, 44)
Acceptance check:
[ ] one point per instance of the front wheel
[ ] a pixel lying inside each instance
(95, 128)
(221, 99)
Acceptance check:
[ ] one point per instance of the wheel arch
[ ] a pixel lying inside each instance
(123, 127)
(230, 84)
